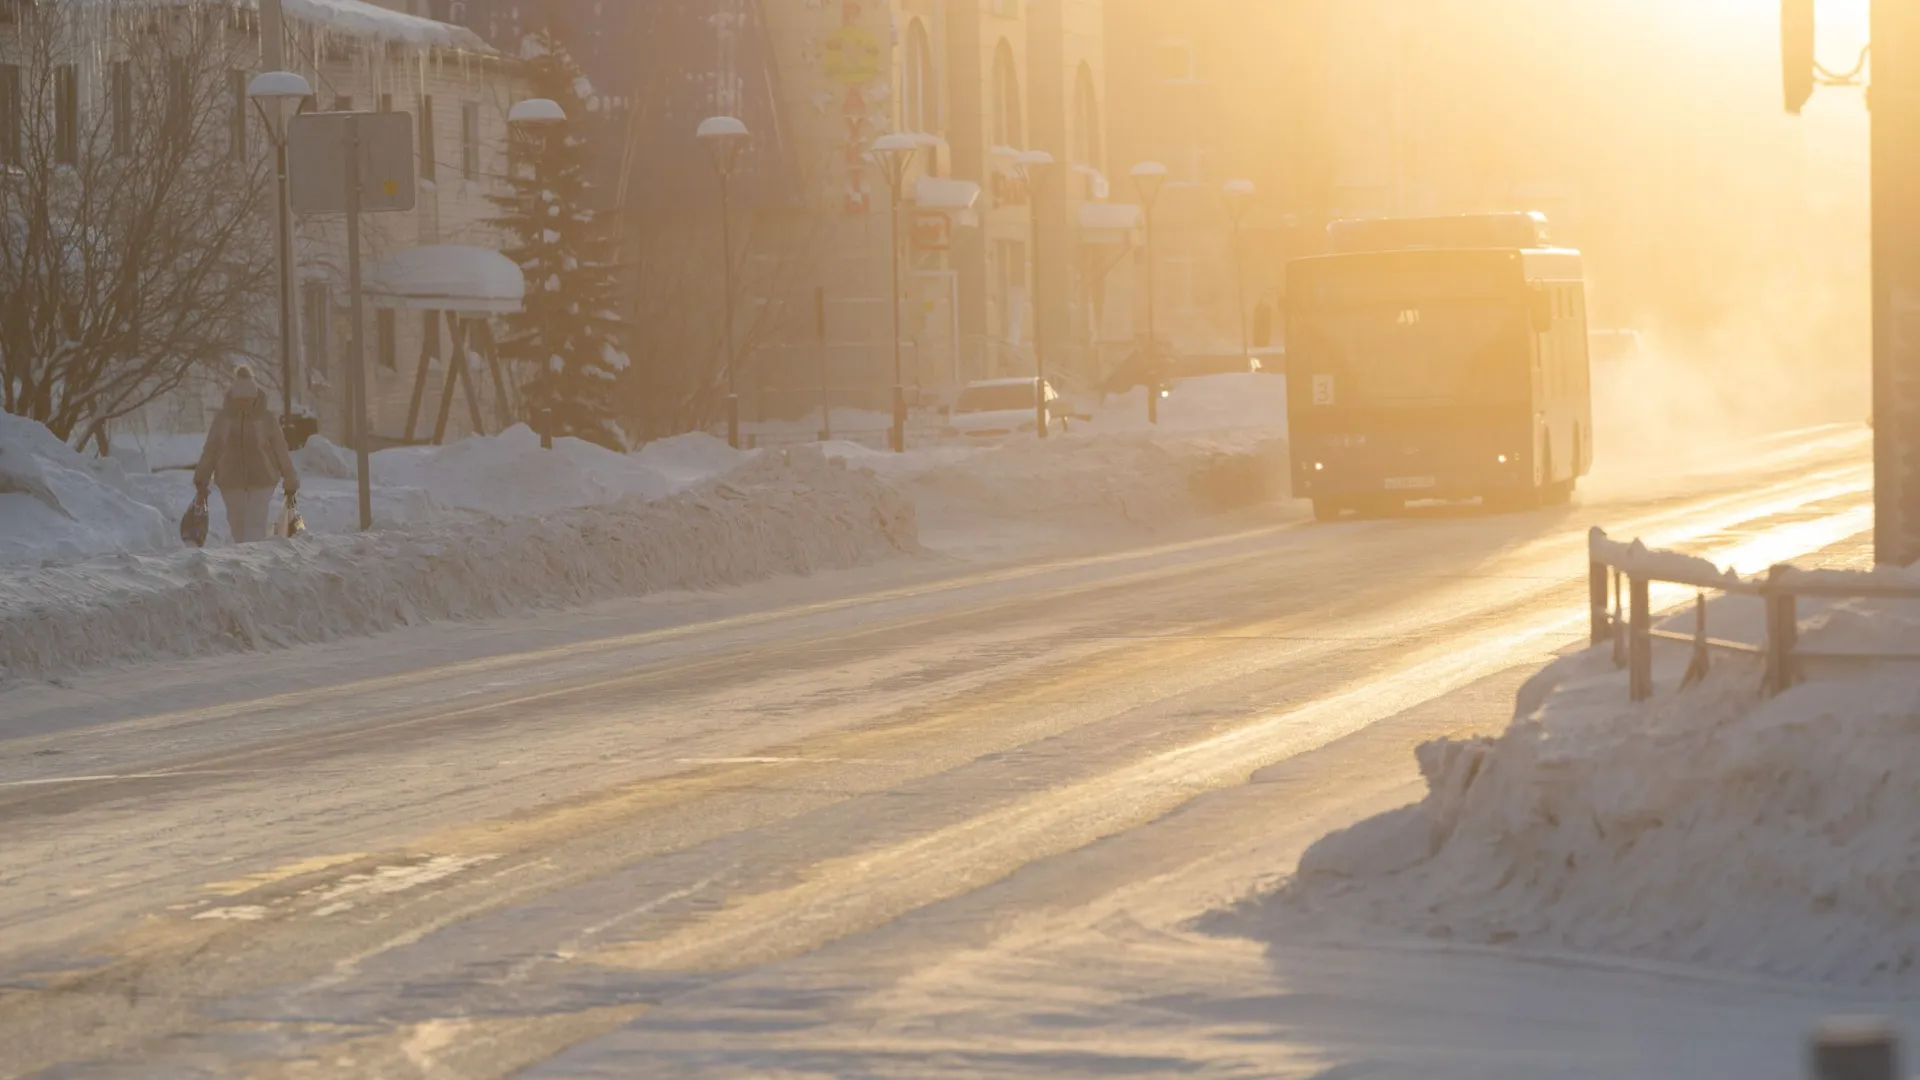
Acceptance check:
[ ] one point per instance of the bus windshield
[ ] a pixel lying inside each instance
(1454, 354)
(1414, 328)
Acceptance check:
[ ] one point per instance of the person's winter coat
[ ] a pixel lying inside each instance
(246, 450)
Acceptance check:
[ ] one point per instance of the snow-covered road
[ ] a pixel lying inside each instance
(922, 819)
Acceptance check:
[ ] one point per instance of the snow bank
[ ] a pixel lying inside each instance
(1205, 404)
(508, 475)
(1709, 826)
(58, 504)
(691, 457)
(1143, 479)
(779, 513)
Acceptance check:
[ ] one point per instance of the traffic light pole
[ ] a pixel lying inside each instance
(1895, 103)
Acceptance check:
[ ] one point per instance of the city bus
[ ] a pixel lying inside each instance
(1443, 359)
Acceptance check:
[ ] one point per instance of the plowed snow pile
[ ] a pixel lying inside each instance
(779, 513)
(1709, 826)
(1141, 479)
(58, 504)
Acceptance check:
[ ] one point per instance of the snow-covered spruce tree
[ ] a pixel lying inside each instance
(565, 342)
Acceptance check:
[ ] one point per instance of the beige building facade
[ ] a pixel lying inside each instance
(978, 83)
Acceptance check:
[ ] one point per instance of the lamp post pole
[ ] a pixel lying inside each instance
(1034, 167)
(724, 136)
(275, 92)
(1238, 192)
(1148, 178)
(894, 153)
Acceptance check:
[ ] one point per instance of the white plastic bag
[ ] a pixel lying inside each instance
(287, 523)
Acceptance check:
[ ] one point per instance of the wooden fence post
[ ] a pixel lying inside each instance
(1639, 640)
(1854, 1049)
(1783, 631)
(1596, 602)
(1702, 660)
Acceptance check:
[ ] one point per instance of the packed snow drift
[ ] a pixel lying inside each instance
(58, 504)
(1710, 826)
(792, 512)
(92, 571)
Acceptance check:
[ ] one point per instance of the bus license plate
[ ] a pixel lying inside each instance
(1409, 483)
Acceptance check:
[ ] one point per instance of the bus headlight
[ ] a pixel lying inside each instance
(1503, 459)
(1318, 466)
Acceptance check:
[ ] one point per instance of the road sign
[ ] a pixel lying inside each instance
(852, 56)
(317, 149)
(932, 231)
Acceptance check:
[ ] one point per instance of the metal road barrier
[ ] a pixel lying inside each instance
(1620, 577)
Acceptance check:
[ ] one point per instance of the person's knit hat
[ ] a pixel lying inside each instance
(243, 384)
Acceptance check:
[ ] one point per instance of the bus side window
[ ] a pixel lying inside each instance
(1583, 363)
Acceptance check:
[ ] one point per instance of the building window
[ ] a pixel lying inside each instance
(316, 315)
(1011, 269)
(429, 168)
(920, 89)
(389, 334)
(1087, 148)
(386, 102)
(120, 89)
(66, 114)
(470, 140)
(179, 100)
(343, 103)
(1006, 99)
(237, 138)
(10, 114)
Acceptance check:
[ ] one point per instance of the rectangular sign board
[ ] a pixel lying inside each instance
(317, 148)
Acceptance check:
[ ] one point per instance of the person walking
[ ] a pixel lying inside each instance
(245, 457)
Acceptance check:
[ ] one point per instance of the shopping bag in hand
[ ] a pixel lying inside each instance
(193, 527)
(287, 523)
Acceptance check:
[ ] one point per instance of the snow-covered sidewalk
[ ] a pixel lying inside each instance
(1711, 826)
(92, 571)
(793, 512)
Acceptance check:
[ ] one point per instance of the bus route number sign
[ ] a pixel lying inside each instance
(1323, 389)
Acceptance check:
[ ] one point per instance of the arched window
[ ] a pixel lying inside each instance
(1007, 128)
(1087, 145)
(920, 87)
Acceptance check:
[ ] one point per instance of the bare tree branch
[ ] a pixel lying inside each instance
(135, 243)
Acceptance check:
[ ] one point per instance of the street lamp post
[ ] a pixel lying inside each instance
(1033, 167)
(269, 92)
(725, 136)
(1148, 178)
(894, 154)
(534, 114)
(1238, 194)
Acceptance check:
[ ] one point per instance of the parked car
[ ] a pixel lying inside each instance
(995, 408)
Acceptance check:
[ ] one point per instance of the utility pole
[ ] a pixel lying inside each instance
(273, 58)
(1895, 103)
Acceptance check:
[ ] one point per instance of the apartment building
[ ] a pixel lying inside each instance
(356, 55)
(816, 82)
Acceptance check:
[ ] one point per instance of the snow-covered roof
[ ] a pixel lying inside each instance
(447, 277)
(363, 19)
(944, 193)
(1108, 222)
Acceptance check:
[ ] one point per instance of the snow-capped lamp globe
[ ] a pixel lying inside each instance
(537, 111)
